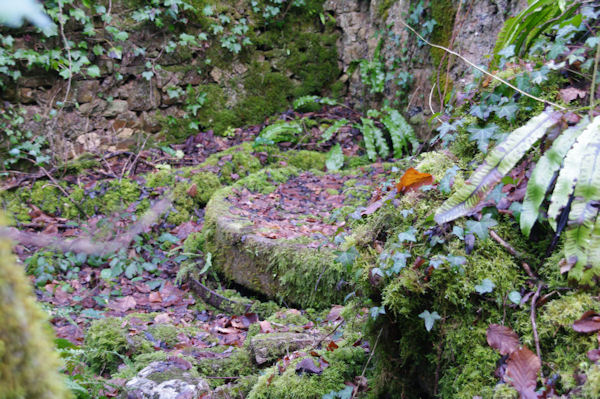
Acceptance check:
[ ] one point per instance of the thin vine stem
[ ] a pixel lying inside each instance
(481, 69)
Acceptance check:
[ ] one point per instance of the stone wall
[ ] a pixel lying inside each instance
(474, 26)
(292, 56)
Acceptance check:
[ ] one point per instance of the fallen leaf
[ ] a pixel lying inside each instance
(522, 370)
(162, 318)
(588, 323)
(571, 93)
(123, 304)
(332, 346)
(307, 365)
(193, 190)
(412, 180)
(502, 338)
(266, 327)
(594, 355)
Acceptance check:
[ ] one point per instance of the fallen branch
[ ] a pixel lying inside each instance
(513, 252)
(217, 300)
(87, 244)
(534, 325)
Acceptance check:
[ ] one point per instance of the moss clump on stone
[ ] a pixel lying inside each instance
(344, 364)
(162, 178)
(105, 342)
(228, 363)
(28, 364)
(206, 185)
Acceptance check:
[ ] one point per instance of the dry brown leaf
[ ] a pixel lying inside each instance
(588, 323)
(522, 370)
(502, 338)
(571, 93)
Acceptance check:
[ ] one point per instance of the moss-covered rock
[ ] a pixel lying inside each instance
(28, 364)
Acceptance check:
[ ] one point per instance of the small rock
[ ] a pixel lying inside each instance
(116, 107)
(165, 380)
(86, 91)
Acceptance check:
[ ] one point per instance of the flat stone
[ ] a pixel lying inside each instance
(116, 107)
(144, 96)
(269, 347)
(86, 90)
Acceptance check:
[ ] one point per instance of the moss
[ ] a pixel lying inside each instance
(344, 364)
(162, 178)
(306, 160)
(165, 333)
(206, 184)
(183, 203)
(194, 243)
(82, 164)
(105, 342)
(230, 363)
(443, 12)
(117, 196)
(288, 317)
(28, 363)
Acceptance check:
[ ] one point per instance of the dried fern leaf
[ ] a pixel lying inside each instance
(543, 174)
(400, 131)
(497, 164)
(565, 183)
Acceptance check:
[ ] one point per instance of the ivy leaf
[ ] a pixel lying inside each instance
(408, 235)
(376, 311)
(448, 179)
(429, 318)
(131, 270)
(480, 228)
(508, 51)
(514, 297)
(486, 286)
(147, 75)
(347, 258)
(459, 232)
(93, 71)
(480, 111)
(399, 259)
(335, 158)
(508, 111)
(483, 135)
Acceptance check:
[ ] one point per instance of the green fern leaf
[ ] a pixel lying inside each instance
(367, 130)
(567, 177)
(400, 131)
(499, 162)
(374, 140)
(331, 130)
(281, 131)
(584, 209)
(544, 173)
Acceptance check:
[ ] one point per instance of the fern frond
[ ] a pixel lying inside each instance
(593, 255)
(584, 209)
(544, 173)
(331, 130)
(366, 129)
(400, 131)
(281, 131)
(499, 162)
(570, 171)
(374, 140)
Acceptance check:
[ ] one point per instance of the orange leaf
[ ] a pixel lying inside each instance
(412, 180)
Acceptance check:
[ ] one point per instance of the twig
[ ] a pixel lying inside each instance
(534, 325)
(368, 361)
(87, 244)
(593, 88)
(328, 335)
(135, 160)
(513, 252)
(481, 69)
(505, 245)
(53, 180)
